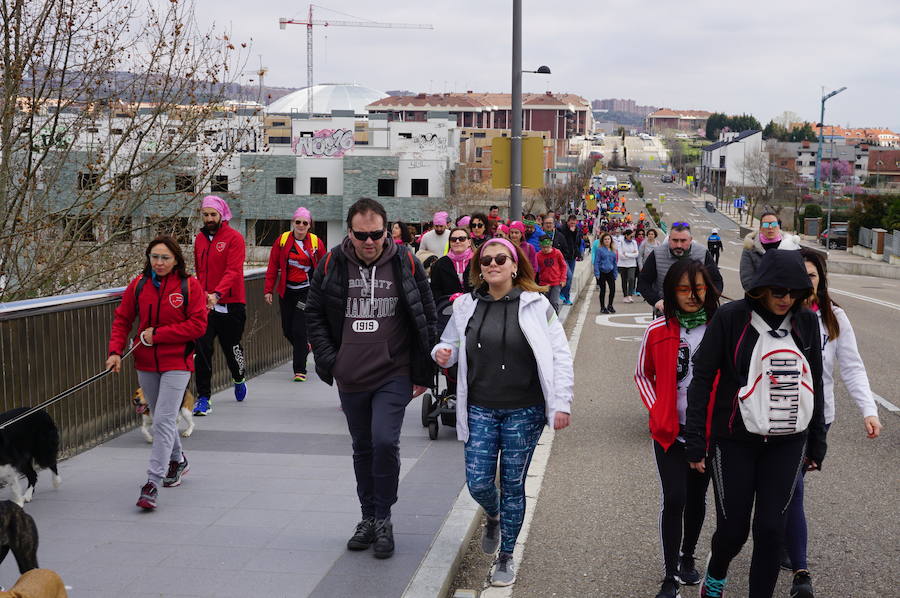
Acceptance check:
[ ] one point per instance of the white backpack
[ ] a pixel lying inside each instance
(778, 398)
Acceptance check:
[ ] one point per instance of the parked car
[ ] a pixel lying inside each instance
(667, 178)
(624, 186)
(834, 237)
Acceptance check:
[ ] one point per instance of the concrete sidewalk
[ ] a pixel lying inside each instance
(265, 510)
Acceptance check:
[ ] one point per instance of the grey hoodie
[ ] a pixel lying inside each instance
(375, 345)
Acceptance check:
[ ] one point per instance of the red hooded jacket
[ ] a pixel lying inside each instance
(656, 378)
(553, 268)
(220, 264)
(278, 257)
(174, 331)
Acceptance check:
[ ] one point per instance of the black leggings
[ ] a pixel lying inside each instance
(607, 278)
(744, 472)
(229, 327)
(293, 325)
(682, 501)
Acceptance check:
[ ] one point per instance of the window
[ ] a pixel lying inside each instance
(318, 185)
(799, 162)
(279, 123)
(857, 166)
(406, 135)
(123, 182)
(219, 183)
(88, 180)
(93, 130)
(387, 188)
(480, 135)
(119, 229)
(478, 152)
(812, 163)
(178, 227)
(284, 185)
(184, 183)
(282, 140)
(79, 228)
(115, 131)
(267, 231)
(419, 187)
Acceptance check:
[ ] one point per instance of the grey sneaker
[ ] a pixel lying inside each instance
(504, 571)
(490, 537)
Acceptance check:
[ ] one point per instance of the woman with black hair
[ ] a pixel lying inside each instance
(170, 307)
(400, 234)
(761, 358)
(478, 229)
(838, 346)
(663, 375)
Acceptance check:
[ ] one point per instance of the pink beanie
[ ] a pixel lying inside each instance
(464, 221)
(440, 219)
(516, 224)
(503, 229)
(218, 204)
(302, 214)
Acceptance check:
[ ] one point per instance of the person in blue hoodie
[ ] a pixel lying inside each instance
(714, 244)
(533, 232)
(606, 258)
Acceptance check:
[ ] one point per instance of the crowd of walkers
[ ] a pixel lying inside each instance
(740, 393)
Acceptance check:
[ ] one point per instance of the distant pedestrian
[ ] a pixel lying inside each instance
(839, 348)
(371, 321)
(756, 244)
(533, 231)
(450, 274)
(170, 308)
(606, 259)
(437, 240)
(517, 236)
(292, 260)
(553, 270)
(219, 255)
(761, 358)
(400, 234)
(515, 376)
(663, 374)
(478, 229)
(628, 256)
(714, 244)
(571, 233)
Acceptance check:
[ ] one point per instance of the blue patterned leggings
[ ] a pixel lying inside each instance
(511, 435)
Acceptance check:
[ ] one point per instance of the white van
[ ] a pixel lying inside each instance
(612, 182)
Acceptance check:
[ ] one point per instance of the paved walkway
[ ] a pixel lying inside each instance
(265, 511)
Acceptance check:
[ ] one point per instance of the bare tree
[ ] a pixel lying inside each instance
(768, 185)
(112, 121)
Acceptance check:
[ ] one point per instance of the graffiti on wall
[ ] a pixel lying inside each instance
(431, 141)
(325, 143)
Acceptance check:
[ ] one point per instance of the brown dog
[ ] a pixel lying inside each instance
(143, 409)
(37, 583)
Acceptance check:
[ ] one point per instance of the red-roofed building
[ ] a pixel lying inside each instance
(666, 119)
(884, 165)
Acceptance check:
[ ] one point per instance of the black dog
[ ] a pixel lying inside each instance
(19, 534)
(26, 444)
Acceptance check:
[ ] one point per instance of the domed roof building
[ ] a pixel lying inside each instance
(327, 97)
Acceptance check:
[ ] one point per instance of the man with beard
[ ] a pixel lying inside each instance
(681, 245)
(219, 259)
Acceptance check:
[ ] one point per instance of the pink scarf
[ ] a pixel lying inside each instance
(460, 261)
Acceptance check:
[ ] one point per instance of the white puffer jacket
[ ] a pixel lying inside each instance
(753, 252)
(547, 340)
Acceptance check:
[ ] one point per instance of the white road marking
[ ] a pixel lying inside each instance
(630, 339)
(864, 298)
(606, 320)
(885, 403)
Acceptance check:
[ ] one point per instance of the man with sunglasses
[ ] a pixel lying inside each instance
(680, 245)
(219, 254)
(756, 244)
(371, 321)
(437, 240)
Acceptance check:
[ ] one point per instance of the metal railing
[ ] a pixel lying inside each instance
(48, 345)
(866, 237)
(891, 245)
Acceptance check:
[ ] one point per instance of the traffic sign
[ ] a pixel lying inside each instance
(740, 202)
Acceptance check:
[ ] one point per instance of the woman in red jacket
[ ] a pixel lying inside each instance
(293, 259)
(664, 371)
(170, 308)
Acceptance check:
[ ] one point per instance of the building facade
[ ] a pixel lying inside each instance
(687, 121)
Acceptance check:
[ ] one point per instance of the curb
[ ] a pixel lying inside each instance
(437, 570)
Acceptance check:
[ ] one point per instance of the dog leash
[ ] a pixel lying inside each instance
(68, 392)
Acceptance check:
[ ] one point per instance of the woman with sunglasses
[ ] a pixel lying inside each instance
(478, 229)
(293, 259)
(515, 376)
(768, 237)
(757, 388)
(663, 374)
(450, 274)
(839, 347)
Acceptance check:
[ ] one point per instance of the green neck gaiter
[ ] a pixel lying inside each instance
(691, 320)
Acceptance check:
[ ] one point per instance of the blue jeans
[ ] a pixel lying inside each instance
(511, 435)
(568, 286)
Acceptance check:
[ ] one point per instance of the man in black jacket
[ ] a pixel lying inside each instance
(371, 322)
(571, 234)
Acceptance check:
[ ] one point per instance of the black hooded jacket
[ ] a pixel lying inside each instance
(727, 348)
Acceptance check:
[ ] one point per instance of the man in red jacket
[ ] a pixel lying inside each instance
(219, 258)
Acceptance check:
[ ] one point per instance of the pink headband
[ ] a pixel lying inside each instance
(505, 243)
(302, 213)
(218, 204)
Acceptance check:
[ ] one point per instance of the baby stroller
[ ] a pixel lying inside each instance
(440, 403)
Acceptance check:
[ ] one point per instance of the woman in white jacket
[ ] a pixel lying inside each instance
(515, 375)
(838, 347)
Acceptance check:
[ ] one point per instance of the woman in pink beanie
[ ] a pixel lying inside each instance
(517, 236)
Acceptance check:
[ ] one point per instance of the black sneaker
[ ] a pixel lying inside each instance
(363, 536)
(147, 500)
(177, 469)
(802, 586)
(669, 589)
(687, 571)
(611, 310)
(384, 539)
(603, 310)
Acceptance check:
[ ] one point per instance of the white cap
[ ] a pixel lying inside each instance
(715, 231)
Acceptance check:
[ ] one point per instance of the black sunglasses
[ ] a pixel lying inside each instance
(500, 258)
(458, 239)
(303, 222)
(780, 293)
(364, 236)
(476, 225)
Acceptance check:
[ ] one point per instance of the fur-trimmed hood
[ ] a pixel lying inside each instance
(788, 241)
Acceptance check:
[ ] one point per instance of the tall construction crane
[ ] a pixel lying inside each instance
(283, 22)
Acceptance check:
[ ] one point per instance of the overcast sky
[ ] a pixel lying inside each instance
(692, 54)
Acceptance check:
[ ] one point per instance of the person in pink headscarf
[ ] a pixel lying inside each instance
(517, 236)
(437, 240)
(219, 255)
(293, 259)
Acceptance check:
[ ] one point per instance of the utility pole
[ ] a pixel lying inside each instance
(822, 133)
(515, 166)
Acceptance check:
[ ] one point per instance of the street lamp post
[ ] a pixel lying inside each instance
(515, 146)
(822, 133)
